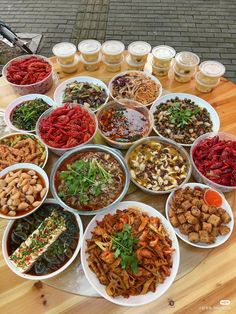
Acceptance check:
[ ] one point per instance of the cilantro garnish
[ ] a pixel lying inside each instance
(179, 116)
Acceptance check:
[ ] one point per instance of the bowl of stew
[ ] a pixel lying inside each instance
(40, 258)
(123, 123)
(90, 179)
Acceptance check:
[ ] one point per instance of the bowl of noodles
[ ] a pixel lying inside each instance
(135, 85)
(131, 255)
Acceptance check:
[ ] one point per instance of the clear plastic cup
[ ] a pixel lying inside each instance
(113, 67)
(90, 49)
(139, 51)
(162, 56)
(65, 52)
(183, 77)
(92, 66)
(204, 87)
(160, 71)
(186, 62)
(113, 51)
(134, 65)
(211, 71)
(69, 68)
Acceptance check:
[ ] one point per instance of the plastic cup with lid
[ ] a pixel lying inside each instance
(113, 67)
(139, 51)
(186, 62)
(162, 56)
(204, 87)
(90, 49)
(183, 77)
(70, 68)
(65, 52)
(93, 65)
(134, 65)
(160, 71)
(113, 51)
(211, 71)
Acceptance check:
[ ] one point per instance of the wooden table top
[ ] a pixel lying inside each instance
(199, 291)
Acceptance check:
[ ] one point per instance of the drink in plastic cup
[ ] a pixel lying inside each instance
(113, 67)
(211, 71)
(113, 51)
(162, 56)
(160, 71)
(134, 65)
(65, 52)
(89, 50)
(139, 51)
(186, 62)
(204, 87)
(70, 68)
(92, 66)
(182, 77)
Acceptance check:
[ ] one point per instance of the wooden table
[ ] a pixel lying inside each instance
(199, 291)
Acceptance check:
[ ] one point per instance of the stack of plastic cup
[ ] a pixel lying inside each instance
(66, 57)
(162, 58)
(138, 53)
(209, 75)
(90, 54)
(113, 55)
(185, 66)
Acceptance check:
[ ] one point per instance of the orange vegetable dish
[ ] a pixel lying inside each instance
(138, 264)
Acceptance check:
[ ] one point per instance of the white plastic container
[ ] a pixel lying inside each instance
(134, 65)
(113, 67)
(93, 65)
(113, 51)
(211, 71)
(183, 77)
(139, 51)
(65, 52)
(162, 56)
(70, 68)
(186, 62)
(204, 87)
(90, 49)
(160, 71)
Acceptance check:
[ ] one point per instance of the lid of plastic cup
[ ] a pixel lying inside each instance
(113, 47)
(212, 68)
(89, 46)
(64, 49)
(139, 48)
(198, 80)
(163, 52)
(187, 58)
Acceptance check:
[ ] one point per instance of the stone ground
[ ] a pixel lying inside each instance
(205, 27)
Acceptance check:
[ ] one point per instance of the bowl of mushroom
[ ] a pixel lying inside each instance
(158, 165)
(23, 188)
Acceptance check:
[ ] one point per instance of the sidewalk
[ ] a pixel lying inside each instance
(205, 27)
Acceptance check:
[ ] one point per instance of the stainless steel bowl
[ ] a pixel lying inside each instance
(115, 153)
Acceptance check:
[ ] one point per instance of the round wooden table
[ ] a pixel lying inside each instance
(206, 278)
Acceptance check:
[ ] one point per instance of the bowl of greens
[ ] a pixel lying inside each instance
(23, 113)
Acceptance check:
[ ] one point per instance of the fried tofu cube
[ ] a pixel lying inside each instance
(205, 216)
(224, 230)
(215, 231)
(197, 227)
(214, 220)
(212, 210)
(186, 228)
(181, 218)
(221, 211)
(195, 211)
(186, 205)
(205, 208)
(225, 218)
(190, 218)
(171, 212)
(205, 237)
(180, 210)
(207, 226)
(193, 237)
(174, 221)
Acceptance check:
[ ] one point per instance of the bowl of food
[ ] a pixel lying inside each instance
(133, 243)
(158, 165)
(89, 180)
(29, 74)
(123, 123)
(183, 118)
(213, 160)
(135, 85)
(84, 90)
(44, 244)
(66, 128)
(200, 215)
(23, 188)
(23, 113)
(22, 147)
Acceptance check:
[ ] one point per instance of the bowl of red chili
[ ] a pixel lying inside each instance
(29, 74)
(66, 128)
(213, 156)
(122, 124)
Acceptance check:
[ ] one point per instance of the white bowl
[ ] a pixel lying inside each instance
(219, 239)
(43, 277)
(141, 72)
(36, 138)
(19, 101)
(58, 94)
(198, 101)
(140, 299)
(27, 166)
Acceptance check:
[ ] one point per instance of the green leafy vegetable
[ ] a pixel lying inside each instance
(179, 116)
(123, 243)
